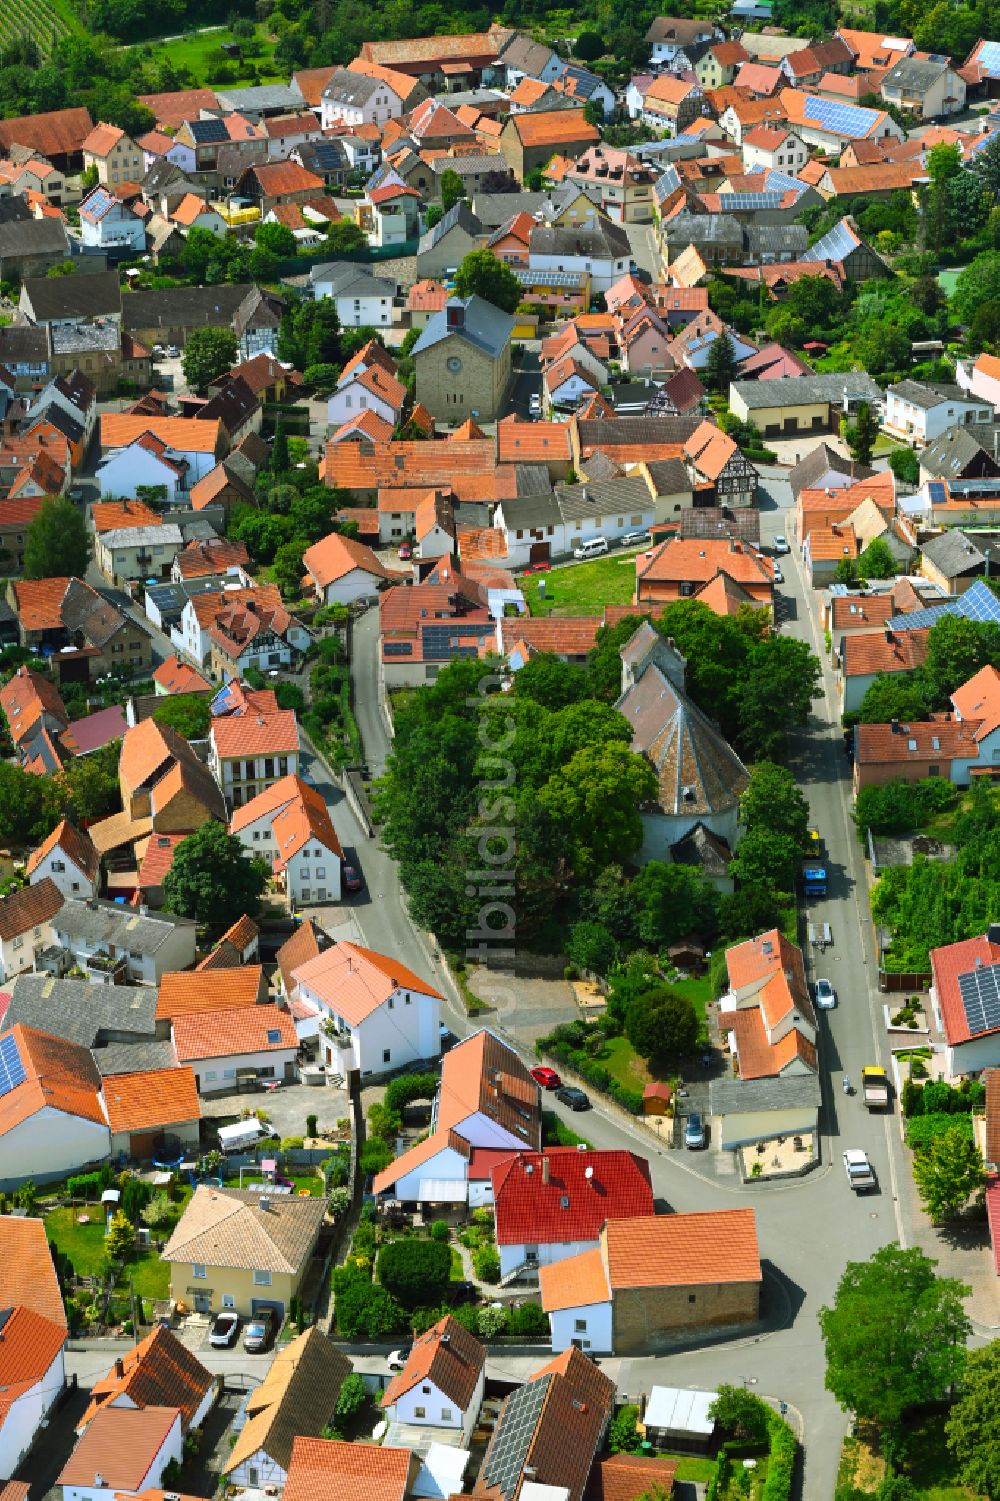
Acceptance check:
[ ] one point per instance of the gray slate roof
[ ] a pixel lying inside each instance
(107, 924)
(949, 455)
(81, 1012)
(802, 390)
(469, 163)
(823, 459)
(95, 295)
(494, 209)
(486, 327)
(726, 1096)
(268, 96)
(134, 1057)
(914, 75)
(352, 88)
(348, 278)
(23, 237)
(577, 502)
(926, 396)
(776, 241)
(703, 229)
(459, 214)
(953, 553)
(604, 239)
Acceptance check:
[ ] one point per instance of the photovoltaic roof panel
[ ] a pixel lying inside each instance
(512, 1437)
(835, 245)
(780, 182)
(11, 1068)
(936, 491)
(844, 119)
(977, 603)
(207, 131)
(989, 56)
(980, 992)
(667, 183)
(746, 201)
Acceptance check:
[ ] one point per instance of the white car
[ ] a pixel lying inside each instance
(779, 577)
(397, 1360)
(172, 351)
(860, 1174)
(781, 545)
(826, 996)
(535, 405)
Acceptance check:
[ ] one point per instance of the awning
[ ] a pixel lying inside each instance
(442, 1191)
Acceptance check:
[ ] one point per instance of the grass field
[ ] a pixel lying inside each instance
(45, 21)
(620, 1058)
(583, 589)
(85, 1246)
(201, 51)
(929, 1464)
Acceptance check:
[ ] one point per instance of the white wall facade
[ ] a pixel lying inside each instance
(258, 1471)
(123, 469)
(545, 1253)
(921, 425)
(589, 1327)
(448, 1165)
(177, 951)
(354, 398)
(661, 830)
(215, 1074)
(50, 1141)
(744, 1127)
(357, 584)
(603, 270)
(26, 1412)
(426, 1406)
(404, 1029)
(69, 878)
(17, 954)
(313, 875)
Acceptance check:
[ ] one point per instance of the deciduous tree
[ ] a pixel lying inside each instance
(186, 713)
(662, 1026)
(947, 1173)
(212, 879)
(58, 544)
(973, 1426)
(208, 353)
(481, 274)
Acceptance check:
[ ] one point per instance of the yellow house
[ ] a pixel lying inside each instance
(242, 1250)
(803, 403)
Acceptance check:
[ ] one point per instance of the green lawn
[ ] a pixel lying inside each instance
(692, 1467)
(84, 1245)
(457, 1273)
(302, 1181)
(928, 1464)
(583, 589)
(201, 52)
(620, 1058)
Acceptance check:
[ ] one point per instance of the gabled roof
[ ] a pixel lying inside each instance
(28, 908)
(563, 1194)
(75, 844)
(574, 1282)
(297, 1396)
(334, 1470)
(28, 1349)
(120, 1444)
(57, 1075)
(230, 1033)
(949, 965)
(152, 1100)
(183, 992)
(159, 1372)
(335, 556)
(684, 1250)
(27, 1274)
(448, 1356)
(356, 981)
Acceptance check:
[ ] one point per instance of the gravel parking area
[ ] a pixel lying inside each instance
(286, 1107)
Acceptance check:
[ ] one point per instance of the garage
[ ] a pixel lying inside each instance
(258, 1305)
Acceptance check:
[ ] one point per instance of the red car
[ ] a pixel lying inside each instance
(546, 1077)
(405, 552)
(538, 568)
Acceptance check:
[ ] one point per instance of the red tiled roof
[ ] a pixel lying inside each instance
(942, 739)
(948, 964)
(627, 1477)
(216, 990)
(256, 735)
(871, 652)
(152, 1100)
(333, 1470)
(355, 981)
(120, 1445)
(684, 1250)
(177, 677)
(27, 1274)
(229, 1033)
(448, 1356)
(28, 908)
(59, 132)
(28, 1349)
(570, 1206)
(59, 1075)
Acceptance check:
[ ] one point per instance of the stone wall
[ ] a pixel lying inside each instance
(647, 1318)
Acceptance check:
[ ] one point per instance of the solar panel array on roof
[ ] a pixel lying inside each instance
(980, 992)
(667, 183)
(989, 57)
(205, 132)
(11, 1068)
(977, 603)
(737, 201)
(842, 119)
(937, 492)
(512, 1437)
(966, 487)
(835, 245)
(780, 182)
(98, 203)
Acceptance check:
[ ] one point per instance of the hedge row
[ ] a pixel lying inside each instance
(598, 1076)
(923, 1129)
(781, 1463)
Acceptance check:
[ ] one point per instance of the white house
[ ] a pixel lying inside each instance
(26, 926)
(240, 628)
(573, 514)
(377, 1015)
(123, 1452)
(196, 443)
(579, 1305)
(67, 858)
(142, 464)
(192, 212)
(106, 224)
(918, 412)
(603, 252)
(442, 1383)
(668, 36)
(487, 1107)
(963, 982)
(223, 1046)
(118, 945)
(33, 1349)
(552, 1204)
(368, 390)
(363, 300)
(159, 1371)
(356, 99)
(772, 148)
(566, 384)
(53, 1122)
(250, 752)
(75, 395)
(341, 569)
(289, 825)
(980, 378)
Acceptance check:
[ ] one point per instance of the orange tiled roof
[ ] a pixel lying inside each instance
(574, 1282)
(553, 127)
(355, 981)
(75, 845)
(883, 651)
(300, 821)
(27, 1274)
(684, 1250)
(149, 1101)
(177, 677)
(446, 1355)
(120, 1445)
(29, 908)
(184, 992)
(224, 1034)
(38, 603)
(184, 434)
(255, 735)
(333, 1470)
(28, 1349)
(335, 556)
(59, 1075)
(158, 1372)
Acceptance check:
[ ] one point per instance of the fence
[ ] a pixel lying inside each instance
(891, 983)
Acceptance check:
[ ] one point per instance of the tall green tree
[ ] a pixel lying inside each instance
(766, 858)
(275, 239)
(721, 366)
(595, 800)
(956, 649)
(58, 544)
(973, 1426)
(894, 1336)
(877, 561)
(947, 1172)
(662, 1026)
(481, 274)
(773, 800)
(29, 805)
(861, 434)
(452, 189)
(212, 879)
(208, 353)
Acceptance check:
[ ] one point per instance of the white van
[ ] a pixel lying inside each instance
(592, 549)
(241, 1136)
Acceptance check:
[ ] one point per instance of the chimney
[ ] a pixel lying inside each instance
(888, 635)
(545, 1170)
(119, 1367)
(588, 1173)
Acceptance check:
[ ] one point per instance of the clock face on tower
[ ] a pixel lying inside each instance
(454, 364)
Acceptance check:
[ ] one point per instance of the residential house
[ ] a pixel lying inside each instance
(146, 465)
(771, 148)
(528, 140)
(295, 1401)
(617, 181)
(957, 745)
(340, 569)
(269, 183)
(927, 87)
(353, 99)
(106, 223)
(442, 1383)
(603, 252)
(865, 656)
(53, 1123)
(653, 1280)
(719, 64)
(29, 248)
(803, 404)
(150, 1110)
(700, 778)
(555, 1424)
(197, 444)
(26, 926)
(963, 453)
(487, 1107)
(231, 629)
(165, 789)
(377, 1015)
(671, 104)
(184, 993)
(362, 299)
(223, 1047)
(981, 379)
(34, 712)
(28, 1278)
(288, 824)
(749, 1113)
(138, 552)
(56, 134)
(552, 1204)
(715, 460)
(117, 158)
(918, 412)
(463, 360)
(963, 978)
(374, 389)
(670, 38)
(679, 567)
(248, 754)
(67, 858)
(767, 1012)
(331, 1469)
(69, 616)
(227, 1251)
(117, 945)
(443, 247)
(34, 1363)
(952, 561)
(124, 1450)
(159, 1372)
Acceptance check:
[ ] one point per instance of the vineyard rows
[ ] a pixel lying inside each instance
(34, 18)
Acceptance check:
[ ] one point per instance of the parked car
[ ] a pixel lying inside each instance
(542, 567)
(779, 577)
(573, 1097)
(405, 552)
(535, 405)
(781, 545)
(260, 1331)
(352, 879)
(398, 1359)
(172, 351)
(826, 996)
(694, 1132)
(225, 1330)
(634, 539)
(546, 1077)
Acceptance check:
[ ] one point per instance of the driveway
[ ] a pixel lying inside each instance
(44, 1464)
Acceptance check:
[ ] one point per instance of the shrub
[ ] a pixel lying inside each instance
(781, 1463)
(492, 1321)
(291, 1143)
(84, 1185)
(912, 1098)
(528, 1319)
(336, 1169)
(623, 1434)
(353, 1398)
(922, 1129)
(375, 1155)
(486, 1262)
(159, 1211)
(482, 1217)
(408, 1088)
(440, 1231)
(311, 1121)
(340, 1200)
(414, 1271)
(365, 1311)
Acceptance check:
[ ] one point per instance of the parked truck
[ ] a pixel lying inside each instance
(875, 1087)
(813, 871)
